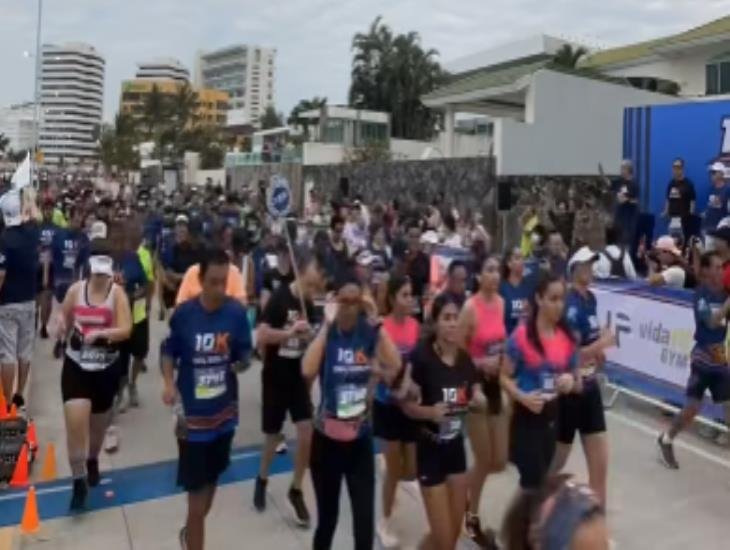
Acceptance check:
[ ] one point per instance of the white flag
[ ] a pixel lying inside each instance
(21, 178)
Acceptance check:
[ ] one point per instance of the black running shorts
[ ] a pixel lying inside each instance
(581, 413)
(436, 461)
(390, 423)
(99, 387)
(283, 390)
(200, 464)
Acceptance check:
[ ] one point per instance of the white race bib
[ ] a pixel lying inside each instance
(210, 382)
(351, 401)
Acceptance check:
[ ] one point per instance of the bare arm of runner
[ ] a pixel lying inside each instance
(312, 360)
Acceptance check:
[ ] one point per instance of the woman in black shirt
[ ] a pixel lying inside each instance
(449, 388)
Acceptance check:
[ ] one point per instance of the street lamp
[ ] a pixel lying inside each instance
(36, 83)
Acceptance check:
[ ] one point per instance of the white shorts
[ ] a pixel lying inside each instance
(17, 332)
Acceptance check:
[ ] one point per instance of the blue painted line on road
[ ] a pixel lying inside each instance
(130, 486)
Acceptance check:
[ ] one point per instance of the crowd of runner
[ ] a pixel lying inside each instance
(359, 341)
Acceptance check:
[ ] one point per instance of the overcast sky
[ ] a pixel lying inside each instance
(313, 36)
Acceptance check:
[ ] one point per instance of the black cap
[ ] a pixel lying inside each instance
(722, 233)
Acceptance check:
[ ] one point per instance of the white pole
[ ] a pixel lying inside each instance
(37, 92)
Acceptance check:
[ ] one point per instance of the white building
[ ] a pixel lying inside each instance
(246, 72)
(165, 68)
(72, 96)
(693, 63)
(546, 119)
(16, 124)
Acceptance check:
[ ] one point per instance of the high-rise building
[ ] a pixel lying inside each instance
(163, 68)
(16, 124)
(72, 97)
(246, 72)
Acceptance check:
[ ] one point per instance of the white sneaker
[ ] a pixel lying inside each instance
(388, 539)
(282, 448)
(111, 440)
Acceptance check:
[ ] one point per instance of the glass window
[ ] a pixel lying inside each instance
(725, 77)
(712, 79)
(333, 132)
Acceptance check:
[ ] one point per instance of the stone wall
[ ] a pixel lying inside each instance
(470, 184)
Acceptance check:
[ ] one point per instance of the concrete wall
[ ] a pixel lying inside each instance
(322, 153)
(573, 123)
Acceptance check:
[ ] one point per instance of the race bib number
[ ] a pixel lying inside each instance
(450, 428)
(548, 384)
(291, 349)
(69, 260)
(351, 401)
(210, 382)
(94, 357)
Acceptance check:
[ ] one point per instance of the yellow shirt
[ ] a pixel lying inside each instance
(526, 242)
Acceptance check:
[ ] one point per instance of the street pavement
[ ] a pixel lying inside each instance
(649, 506)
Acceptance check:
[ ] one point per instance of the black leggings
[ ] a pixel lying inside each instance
(331, 461)
(532, 443)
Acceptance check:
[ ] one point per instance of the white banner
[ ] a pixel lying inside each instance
(655, 338)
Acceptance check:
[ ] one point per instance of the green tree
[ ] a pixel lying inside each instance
(568, 57)
(155, 112)
(391, 73)
(4, 143)
(271, 119)
(118, 144)
(303, 106)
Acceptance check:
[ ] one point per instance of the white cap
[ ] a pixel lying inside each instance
(582, 256)
(11, 209)
(97, 230)
(364, 258)
(667, 244)
(101, 265)
(182, 218)
(717, 167)
(430, 237)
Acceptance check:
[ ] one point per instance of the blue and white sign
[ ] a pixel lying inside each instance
(278, 197)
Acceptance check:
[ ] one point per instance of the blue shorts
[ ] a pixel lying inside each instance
(715, 379)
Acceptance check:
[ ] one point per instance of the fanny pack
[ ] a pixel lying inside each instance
(341, 430)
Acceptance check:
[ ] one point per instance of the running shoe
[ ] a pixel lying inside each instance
(18, 401)
(298, 507)
(282, 448)
(483, 539)
(44, 333)
(78, 497)
(58, 349)
(259, 494)
(133, 396)
(111, 440)
(388, 539)
(184, 538)
(120, 403)
(92, 472)
(666, 453)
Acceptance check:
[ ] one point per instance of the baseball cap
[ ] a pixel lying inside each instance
(364, 258)
(11, 209)
(430, 237)
(101, 265)
(97, 231)
(582, 256)
(722, 233)
(182, 218)
(667, 244)
(717, 167)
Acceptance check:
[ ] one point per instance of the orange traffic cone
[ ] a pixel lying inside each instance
(48, 472)
(3, 405)
(31, 523)
(20, 475)
(32, 437)
(13, 412)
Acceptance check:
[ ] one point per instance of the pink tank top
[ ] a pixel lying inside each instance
(489, 331)
(404, 334)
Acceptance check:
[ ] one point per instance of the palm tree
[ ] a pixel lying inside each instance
(390, 73)
(568, 57)
(305, 105)
(271, 119)
(154, 111)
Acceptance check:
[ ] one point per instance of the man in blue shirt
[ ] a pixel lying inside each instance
(18, 266)
(717, 201)
(709, 365)
(69, 254)
(48, 229)
(209, 341)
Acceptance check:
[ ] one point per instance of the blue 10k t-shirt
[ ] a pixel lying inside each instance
(19, 260)
(204, 345)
